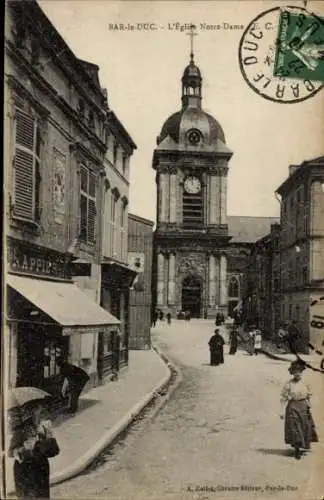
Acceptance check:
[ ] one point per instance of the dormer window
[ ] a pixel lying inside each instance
(124, 163)
(91, 121)
(81, 108)
(35, 52)
(115, 152)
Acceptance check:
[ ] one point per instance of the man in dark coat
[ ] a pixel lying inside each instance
(77, 379)
(293, 336)
(233, 338)
(216, 347)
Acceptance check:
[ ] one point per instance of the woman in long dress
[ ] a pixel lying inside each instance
(300, 429)
(216, 347)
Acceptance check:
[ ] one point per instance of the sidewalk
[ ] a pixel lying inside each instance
(272, 351)
(103, 413)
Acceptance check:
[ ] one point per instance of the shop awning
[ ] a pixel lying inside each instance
(65, 303)
(122, 275)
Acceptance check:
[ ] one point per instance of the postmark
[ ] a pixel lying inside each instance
(316, 321)
(257, 55)
(300, 46)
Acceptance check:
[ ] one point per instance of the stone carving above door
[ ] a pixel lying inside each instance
(192, 263)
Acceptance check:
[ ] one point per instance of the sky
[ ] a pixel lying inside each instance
(142, 72)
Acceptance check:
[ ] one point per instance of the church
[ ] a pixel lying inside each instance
(199, 252)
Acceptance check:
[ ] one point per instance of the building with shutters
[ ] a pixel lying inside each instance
(302, 245)
(116, 275)
(58, 143)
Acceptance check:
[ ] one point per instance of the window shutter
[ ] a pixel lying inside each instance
(92, 213)
(84, 217)
(24, 164)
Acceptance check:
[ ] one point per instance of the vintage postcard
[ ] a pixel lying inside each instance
(163, 326)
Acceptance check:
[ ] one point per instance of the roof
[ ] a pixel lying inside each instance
(249, 229)
(297, 173)
(188, 118)
(137, 218)
(113, 120)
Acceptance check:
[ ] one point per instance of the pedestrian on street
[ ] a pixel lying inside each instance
(218, 320)
(155, 317)
(251, 341)
(161, 315)
(168, 316)
(32, 444)
(257, 341)
(74, 381)
(233, 338)
(216, 348)
(116, 339)
(300, 428)
(293, 336)
(282, 336)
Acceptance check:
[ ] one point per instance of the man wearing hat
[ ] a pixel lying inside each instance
(300, 428)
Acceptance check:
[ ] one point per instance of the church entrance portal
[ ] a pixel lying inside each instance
(191, 296)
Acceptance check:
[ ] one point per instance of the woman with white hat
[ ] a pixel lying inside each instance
(300, 428)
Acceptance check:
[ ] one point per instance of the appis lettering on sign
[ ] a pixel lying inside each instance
(32, 261)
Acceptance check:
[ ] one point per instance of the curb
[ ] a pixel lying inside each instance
(110, 436)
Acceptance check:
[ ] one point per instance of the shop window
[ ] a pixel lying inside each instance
(88, 210)
(26, 168)
(51, 354)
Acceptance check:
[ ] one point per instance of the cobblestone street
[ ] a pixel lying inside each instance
(219, 436)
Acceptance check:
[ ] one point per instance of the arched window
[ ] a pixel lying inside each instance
(233, 287)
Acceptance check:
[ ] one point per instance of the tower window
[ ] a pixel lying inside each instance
(192, 203)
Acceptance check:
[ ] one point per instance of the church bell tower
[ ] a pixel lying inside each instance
(191, 237)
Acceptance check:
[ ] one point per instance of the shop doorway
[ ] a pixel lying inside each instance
(30, 362)
(191, 296)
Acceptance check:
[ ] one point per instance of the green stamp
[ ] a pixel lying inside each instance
(300, 46)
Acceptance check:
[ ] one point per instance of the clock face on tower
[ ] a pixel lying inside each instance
(192, 185)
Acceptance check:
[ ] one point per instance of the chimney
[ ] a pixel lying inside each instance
(293, 168)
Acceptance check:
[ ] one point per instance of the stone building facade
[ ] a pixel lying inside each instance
(262, 293)
(200, 253)
(56, 139)
(302, 243)
(140, 256)
(191, 237)
(116, 275)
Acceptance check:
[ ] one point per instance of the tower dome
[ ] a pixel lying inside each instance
(192, 126)
(182, 122)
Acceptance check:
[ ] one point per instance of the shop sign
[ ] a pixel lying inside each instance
(27, 258)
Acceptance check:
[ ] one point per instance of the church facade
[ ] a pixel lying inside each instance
(199, 252)
(191, 238)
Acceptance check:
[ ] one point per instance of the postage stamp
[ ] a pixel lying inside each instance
(259, 60)
(300, 46)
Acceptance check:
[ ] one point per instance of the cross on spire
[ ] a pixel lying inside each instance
(192, 34)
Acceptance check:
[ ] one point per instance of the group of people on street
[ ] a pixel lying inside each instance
(288, 336)
(217, 342)
(158, 314)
